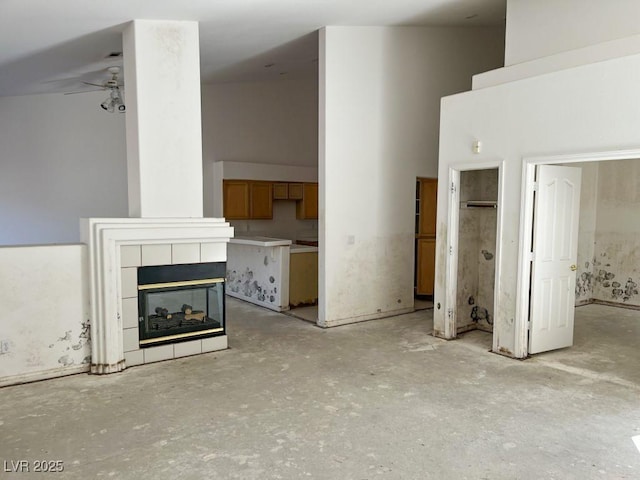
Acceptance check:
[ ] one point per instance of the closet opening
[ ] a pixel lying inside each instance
(476, 252)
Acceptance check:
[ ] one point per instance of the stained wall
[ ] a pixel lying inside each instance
(616, 261)
(476, 251)
(45, 312)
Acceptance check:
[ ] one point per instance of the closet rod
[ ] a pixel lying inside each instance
(479, 204)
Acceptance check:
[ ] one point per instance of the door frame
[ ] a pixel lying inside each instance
(529, 164)
(451, 273)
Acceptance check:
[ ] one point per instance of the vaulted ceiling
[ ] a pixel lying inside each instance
(54, 45)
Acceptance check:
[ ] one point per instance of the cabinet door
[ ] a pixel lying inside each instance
(295, 191)
(236, 199)
(307, 208)
(261, 200)
(280, 191)
(428, 199)
(426, 265)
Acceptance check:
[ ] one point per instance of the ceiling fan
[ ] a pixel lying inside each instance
(115, 101)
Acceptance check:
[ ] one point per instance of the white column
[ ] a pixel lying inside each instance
(164, 139)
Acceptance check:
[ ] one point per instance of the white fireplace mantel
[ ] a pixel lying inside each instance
(105, 237)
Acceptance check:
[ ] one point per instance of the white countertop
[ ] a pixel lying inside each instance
(303, 249)
(261, 241)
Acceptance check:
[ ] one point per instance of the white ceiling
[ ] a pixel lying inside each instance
(54, 45)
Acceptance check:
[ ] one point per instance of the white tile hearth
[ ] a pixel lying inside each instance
(130, 282)
(213, 252)
(186, 349)
(117, 247)
(130, 312)
(156, 255)
(130, 339)
(157, 354)
(130, 256)
(185, 253)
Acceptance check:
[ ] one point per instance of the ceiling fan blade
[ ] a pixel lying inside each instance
(94, 85)
(83, 91)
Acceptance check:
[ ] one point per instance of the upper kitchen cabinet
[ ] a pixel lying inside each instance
(280, 191)
(244, 199)
(261, 199)
(307, 208)
(235, 199)
(295, 191)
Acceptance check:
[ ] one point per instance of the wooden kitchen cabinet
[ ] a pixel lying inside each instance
(427, 190)
(428, 197)
(261, 200)
(235, 199)
(307, 208)
(426, 258)
(295, 191)
(247, 199)
(280, 191)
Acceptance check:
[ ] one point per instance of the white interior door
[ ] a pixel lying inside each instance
(555, 251)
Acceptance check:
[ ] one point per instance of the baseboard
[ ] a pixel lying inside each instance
(617, 305)
(43, 375)
(365, 318)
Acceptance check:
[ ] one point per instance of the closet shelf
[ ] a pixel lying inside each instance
(479, 204)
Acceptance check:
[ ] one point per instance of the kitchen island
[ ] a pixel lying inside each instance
(272, 272)
(258, 271)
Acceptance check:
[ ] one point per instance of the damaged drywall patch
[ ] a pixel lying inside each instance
(609, 287)
(245, 284)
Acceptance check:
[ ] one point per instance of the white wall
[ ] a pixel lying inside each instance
(62, 158)
(616, 268)
(380, 90)
(592, 108)
(45, 312)
(544, 27)
(586, 230)
(265, 122)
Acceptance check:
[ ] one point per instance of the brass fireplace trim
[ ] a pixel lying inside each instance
(180, 335)
(187, 283)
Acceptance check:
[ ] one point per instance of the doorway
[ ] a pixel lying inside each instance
(608, 253)
(477, 238)
(473, 250)
(425, 242)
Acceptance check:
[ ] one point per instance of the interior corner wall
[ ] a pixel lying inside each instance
(540, 28)
(586, 231)
(63, 158)
(380, 91)
(616, 261)
(591, 108)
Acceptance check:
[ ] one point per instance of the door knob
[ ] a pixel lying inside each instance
(573, 268)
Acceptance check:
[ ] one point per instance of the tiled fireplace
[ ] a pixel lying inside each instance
(119, 251)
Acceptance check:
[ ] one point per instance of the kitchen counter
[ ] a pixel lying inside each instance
(303, 249)
(258, 271)
(272, 272)
(261, 241)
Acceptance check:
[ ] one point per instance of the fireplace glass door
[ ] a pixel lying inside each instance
(180, 310)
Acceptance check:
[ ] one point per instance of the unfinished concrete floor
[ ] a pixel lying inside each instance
(380, 399)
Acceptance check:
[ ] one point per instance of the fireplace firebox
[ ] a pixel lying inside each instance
(178, 303)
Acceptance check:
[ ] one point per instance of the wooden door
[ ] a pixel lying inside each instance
(427, 189)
